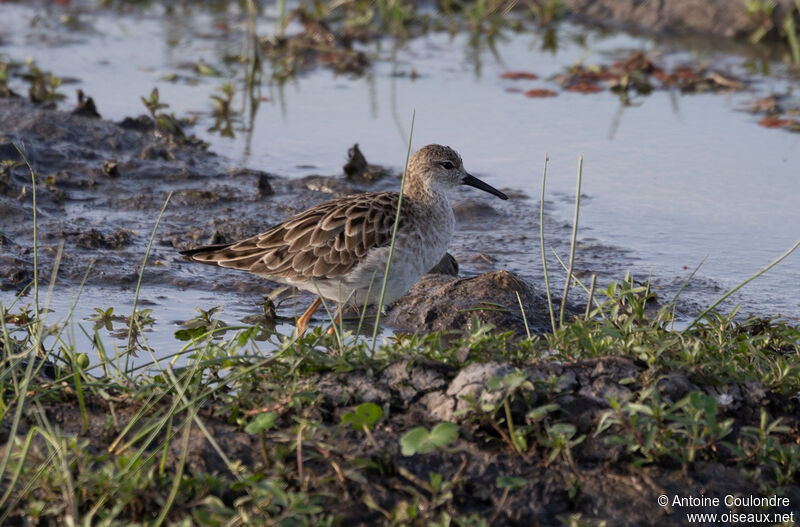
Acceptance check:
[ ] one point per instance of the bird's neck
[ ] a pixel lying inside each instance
(424, 193)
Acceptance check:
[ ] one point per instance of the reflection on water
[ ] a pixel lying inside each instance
(670, 178)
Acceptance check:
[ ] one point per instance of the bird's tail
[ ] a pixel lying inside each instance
(224, 255)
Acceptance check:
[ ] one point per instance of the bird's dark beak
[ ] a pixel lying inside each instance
(472, 181)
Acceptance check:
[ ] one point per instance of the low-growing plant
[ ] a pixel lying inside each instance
(164, 122)
(759, 450)
(652, 430)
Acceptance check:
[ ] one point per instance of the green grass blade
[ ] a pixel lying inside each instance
(139, 279)
(35, 232)
(394, 235)
(541, 246)
(572, 244)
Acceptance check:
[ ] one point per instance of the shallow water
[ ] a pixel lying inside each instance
(668, 181)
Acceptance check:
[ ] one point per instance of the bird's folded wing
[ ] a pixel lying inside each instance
(322, 242)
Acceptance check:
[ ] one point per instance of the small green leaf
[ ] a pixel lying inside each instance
(435, 480)
(189, 333)
(494, 383)
(419, 441)
(366, 414)
(245, 336)
(541, 411)
(514, 380)
(414, 440)
(206, 70)
(563, 429)
(510, 482)
(443, 434)
(263, 422)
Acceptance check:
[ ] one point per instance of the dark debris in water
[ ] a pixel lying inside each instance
(317, 45)
(358, 169)
(86, 106)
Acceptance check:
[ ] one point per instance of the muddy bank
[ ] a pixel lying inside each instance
(344, 468)
(719, 18)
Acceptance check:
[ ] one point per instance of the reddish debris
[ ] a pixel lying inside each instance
(691, 80)
(687, 74)
(519, 75)
(513, 90)
(682, 76)
(582, 74)
(585, 87)
(540, 93)
(774, 122)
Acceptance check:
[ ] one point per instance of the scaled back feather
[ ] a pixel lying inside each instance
(323, 242)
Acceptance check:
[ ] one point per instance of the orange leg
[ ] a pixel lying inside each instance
(302, 322)
(332, 329)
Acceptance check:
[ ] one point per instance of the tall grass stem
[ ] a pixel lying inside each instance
(541, 246)
(572, 244)
(131, 333)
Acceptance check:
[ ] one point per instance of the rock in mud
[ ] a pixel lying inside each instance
(438, 302)
(447, 265)
(95, 239)
(465, 390)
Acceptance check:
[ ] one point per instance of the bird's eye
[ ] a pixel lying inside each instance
(448, 165)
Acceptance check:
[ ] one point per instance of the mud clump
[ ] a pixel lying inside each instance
(94, 239)
(86, 106)
(439, 302)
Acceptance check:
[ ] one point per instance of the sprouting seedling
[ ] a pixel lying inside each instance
(153, 103)
(164, 122)
(509, 484)
(222, 111)
(201, 324)
(43, 85)
(105, 318)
